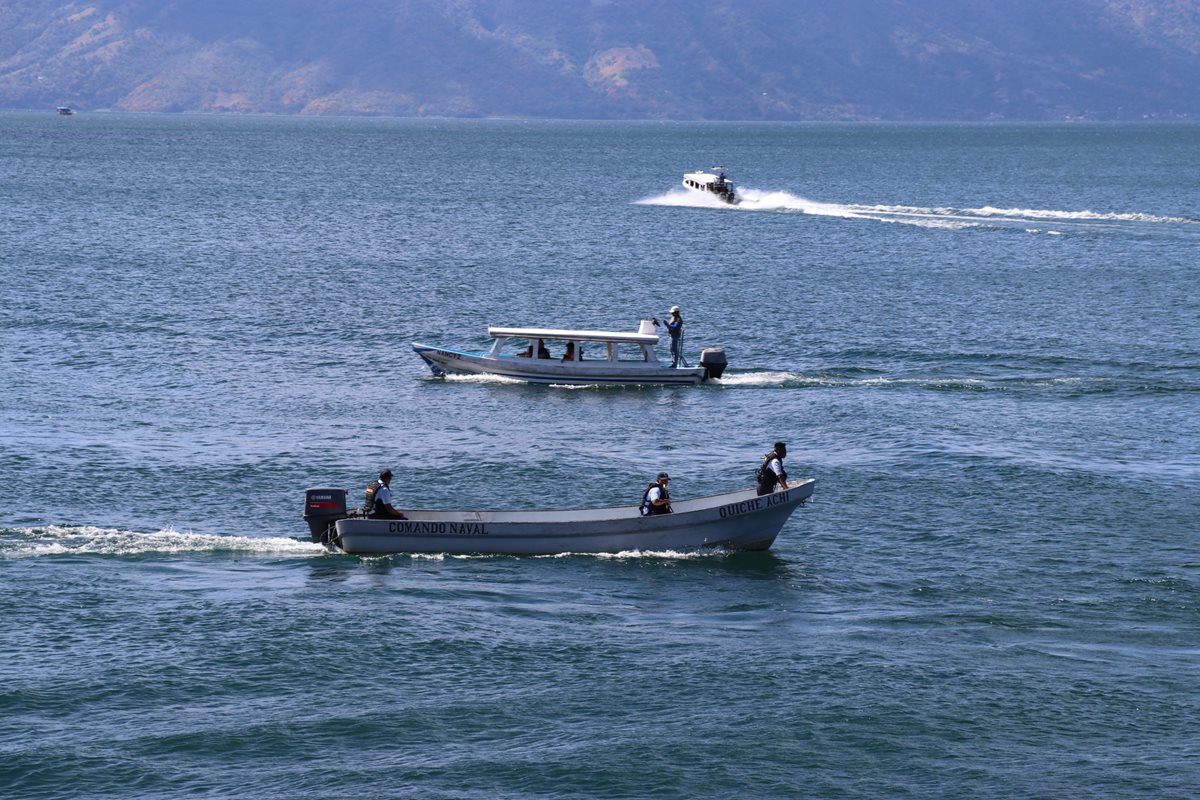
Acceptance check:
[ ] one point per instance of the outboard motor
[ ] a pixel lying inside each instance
(713, 361)
(322, 508)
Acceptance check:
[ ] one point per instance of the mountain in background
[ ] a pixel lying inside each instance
(619, 59)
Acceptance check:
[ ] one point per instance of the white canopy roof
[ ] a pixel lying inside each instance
(703, 177)
(578, 336)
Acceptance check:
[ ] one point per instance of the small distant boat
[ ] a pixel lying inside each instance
(65, 111)
(739, 520)
(710, 183)
(578, 358)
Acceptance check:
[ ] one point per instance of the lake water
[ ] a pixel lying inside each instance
(983, 341)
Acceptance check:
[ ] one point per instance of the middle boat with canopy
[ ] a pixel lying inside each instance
(578, 357)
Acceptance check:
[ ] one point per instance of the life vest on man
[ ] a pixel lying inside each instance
(369, 506)
(766, 476)
(647, 508)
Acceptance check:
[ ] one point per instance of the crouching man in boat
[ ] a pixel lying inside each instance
(770, 474)
(379, 499)
(656, 500)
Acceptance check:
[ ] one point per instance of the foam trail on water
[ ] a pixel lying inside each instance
(54, 540)
(825, 381)
(684, 198)
(945, 217)
(482, 378)
(1037, 213)
(649, 554)
(759, 378)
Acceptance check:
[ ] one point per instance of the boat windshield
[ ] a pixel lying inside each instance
(560, 350)
(631, 352)
(544, 349)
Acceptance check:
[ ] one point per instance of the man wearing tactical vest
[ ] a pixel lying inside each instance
(379, 499)
(656, 500)
(771, 474)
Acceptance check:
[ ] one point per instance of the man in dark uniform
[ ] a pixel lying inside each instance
(771, 475)
(675, 329)
(379, 498)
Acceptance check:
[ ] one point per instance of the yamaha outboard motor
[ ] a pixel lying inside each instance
(322, 508)
(713, 361)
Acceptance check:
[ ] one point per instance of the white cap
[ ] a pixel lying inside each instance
(674, 309)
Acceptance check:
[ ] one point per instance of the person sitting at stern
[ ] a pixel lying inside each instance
(379, 499)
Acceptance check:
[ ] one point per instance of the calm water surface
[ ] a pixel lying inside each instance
(983, 341)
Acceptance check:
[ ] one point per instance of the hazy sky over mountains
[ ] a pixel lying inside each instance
(680, 59)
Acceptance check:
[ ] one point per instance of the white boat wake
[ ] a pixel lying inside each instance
(1049, 221)
(53, 540)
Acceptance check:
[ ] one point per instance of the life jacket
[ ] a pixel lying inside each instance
(765, 476)
(650, 510)
(369, 506)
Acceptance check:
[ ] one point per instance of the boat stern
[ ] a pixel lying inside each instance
(322, 509)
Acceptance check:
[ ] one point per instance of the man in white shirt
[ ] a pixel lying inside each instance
(656, 500)
(771, 475)
(379, 499)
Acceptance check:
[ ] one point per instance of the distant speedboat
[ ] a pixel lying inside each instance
(65, 111)
(708, 183)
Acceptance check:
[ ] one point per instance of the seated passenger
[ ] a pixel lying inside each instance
(542, 351)
(570, 354)
(379, 499)
(527, 352)
(656, 499)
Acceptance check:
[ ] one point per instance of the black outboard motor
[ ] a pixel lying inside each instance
(322, 508)
(713, 361)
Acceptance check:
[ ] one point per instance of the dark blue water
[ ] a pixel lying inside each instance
(983, 341)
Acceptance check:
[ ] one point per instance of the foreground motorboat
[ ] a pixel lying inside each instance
(739, 520)
(709, 183)
(577, 358)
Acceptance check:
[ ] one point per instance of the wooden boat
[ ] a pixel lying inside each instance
(570, 357)
(709, 183)
(733, 521)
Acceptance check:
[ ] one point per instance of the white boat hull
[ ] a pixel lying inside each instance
(711, 185)
(444, 361)
(734, 521)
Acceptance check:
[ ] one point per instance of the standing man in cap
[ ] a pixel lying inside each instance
(379, 498)
(771, 474)
(656, 500)
(675, 328)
